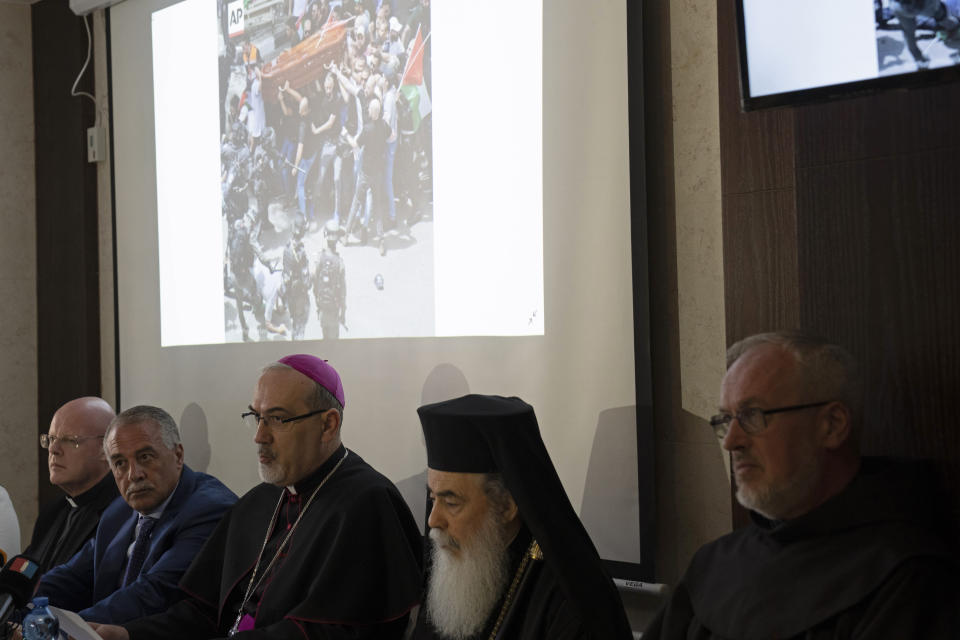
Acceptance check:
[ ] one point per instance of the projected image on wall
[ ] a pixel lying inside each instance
(346, 169)
(325, 165)
(917, 34)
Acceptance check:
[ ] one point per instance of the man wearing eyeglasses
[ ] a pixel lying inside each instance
(839, 546)
(147, 538)
(77, 466)
(324, 548)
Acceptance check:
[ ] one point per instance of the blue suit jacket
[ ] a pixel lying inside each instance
(89, 582)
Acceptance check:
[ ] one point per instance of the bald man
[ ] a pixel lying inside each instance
(77, 465)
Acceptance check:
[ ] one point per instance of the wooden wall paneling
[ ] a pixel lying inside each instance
(877, 239)
(890, 123)
(759, 262)
(835, 216)
(68, 325)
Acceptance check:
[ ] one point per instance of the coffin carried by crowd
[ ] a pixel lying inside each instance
(304, 62)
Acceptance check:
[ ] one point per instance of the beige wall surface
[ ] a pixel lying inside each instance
(686, 264)
(696, 146)
(18, 271)
(108, 377)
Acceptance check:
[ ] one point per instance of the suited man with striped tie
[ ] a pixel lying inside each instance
(149, 536)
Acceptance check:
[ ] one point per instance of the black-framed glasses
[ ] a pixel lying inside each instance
(753, 420)
(252, 419)
(48, 439)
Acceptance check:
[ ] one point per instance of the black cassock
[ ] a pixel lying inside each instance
(62, 529)
(350, 570)
(539, 611)
(568, 594)
(865, 564)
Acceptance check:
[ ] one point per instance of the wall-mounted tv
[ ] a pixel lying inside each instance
(792, 52)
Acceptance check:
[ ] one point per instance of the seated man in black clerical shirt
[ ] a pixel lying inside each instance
(78, 467)
(839, 546)
(509, 556)
(324, 548)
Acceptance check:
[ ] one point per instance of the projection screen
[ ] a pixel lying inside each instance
(506, 268)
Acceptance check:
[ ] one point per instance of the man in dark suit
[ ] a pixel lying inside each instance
(77, 466)
(147, 540)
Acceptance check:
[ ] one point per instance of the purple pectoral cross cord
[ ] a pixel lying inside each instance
(244, 623)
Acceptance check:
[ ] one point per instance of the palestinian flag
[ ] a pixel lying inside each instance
(411, 83)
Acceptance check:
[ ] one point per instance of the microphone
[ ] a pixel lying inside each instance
(18, 580)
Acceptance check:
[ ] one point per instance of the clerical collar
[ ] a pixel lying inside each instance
(309, 483)
(92, 493)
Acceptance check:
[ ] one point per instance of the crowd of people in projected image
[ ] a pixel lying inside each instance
(917, 34)
(325, 156)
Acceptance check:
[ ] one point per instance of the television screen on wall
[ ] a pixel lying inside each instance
(821, 49)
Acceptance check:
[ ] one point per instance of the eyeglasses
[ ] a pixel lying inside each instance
(252, 419)
(753, 420)
(47, 440)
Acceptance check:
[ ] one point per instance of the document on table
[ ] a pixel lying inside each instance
(73, 625)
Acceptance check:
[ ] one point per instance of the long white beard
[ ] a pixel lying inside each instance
(464, 590)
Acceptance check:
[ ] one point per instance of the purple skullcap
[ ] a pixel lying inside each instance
(317, 370)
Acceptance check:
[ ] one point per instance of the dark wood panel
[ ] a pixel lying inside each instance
(834, 221)
(879, 272)
(896, 270)
(892, 123)
(68, 313)
(759, 263)
(756, 148)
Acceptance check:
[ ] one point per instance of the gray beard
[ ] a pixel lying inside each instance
(271, 474)
(773, 501)
(464, 590)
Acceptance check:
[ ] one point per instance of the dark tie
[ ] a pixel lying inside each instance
(140, 546)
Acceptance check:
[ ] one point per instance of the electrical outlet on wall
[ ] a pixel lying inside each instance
(96, 144)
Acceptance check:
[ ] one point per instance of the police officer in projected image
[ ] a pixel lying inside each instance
(252, 282)
(839, 545)
(508, 556)
(77, 466)
(934, 15)
(325, 547)
(146, 540)
(296, 282)
(266, 183)
(330, 286)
